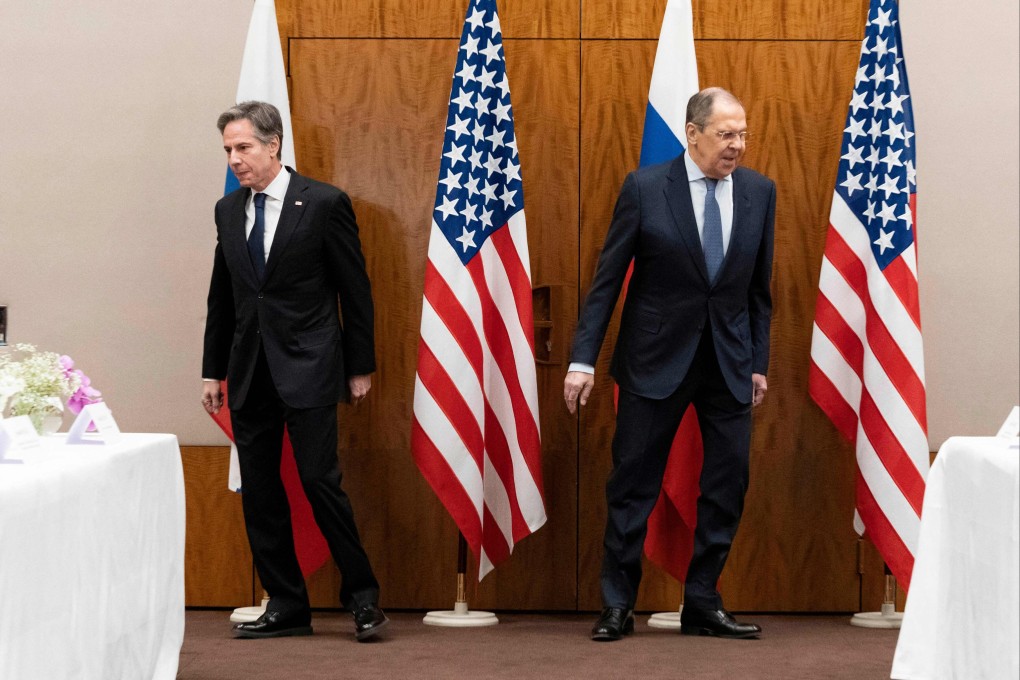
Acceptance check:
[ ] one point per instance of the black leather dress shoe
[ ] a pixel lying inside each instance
(613, 624)
(716, 623)
(368, 621)
(274, 624)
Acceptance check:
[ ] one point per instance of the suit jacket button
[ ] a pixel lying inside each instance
(261, 296)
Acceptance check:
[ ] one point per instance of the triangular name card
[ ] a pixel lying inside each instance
(17, 433)
(1011, 428)
(97, 414)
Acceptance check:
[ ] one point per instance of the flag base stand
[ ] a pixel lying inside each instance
(666, 620)
(887, 618)
(460, 616)
(249, 614)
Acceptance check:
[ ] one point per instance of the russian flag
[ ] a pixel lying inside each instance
(264, 78)
(670, 539)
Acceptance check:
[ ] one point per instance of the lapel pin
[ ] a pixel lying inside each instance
(298, 203)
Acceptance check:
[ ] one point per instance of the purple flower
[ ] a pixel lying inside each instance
(84, 396)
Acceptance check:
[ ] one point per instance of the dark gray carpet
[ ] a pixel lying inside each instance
(537, 646)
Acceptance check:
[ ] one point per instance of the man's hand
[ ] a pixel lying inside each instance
(358, 386)
(577, 385)
(761, 386)
(212, 396)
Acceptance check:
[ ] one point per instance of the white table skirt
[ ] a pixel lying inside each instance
(962, 618)
(92, 561)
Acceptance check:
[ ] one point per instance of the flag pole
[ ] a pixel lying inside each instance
(888, 617)
(460, 616)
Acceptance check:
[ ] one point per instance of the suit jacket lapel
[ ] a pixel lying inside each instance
(741, 207)
(290, 215)
(678, 196)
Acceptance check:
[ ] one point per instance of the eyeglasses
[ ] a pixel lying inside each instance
(728, 136)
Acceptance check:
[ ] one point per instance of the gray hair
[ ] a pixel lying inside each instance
(265, 121)
(701, 105)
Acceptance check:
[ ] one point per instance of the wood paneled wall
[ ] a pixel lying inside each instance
(370, 81)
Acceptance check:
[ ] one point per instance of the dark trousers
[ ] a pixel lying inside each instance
(258, 432)
(645, 429)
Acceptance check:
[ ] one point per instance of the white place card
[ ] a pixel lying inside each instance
(97, 414)
(1011, 428)
(17, 433)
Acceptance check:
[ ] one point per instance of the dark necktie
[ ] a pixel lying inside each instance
(257, 238)
(711, 238)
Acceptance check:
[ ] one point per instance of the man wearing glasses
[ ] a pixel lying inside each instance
(694, 330)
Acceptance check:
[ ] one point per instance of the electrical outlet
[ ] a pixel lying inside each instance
(3, 325)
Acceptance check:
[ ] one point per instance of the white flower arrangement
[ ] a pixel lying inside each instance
(37, 383)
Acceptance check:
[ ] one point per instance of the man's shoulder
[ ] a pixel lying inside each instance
(653, 173)
(313, 188)
(233, 199)
(753, 179)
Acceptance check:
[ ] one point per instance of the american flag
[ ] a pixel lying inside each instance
(867, 363)
(475, 430)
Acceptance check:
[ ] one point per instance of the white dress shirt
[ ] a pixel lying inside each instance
(275, 193)
(723, 196)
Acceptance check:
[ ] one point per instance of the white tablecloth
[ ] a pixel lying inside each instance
(962, 618)
(92, 561)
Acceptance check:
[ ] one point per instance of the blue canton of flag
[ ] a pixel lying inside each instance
(480, 175)
(877, 167)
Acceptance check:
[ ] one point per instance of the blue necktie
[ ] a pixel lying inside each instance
(257, 238)
(711, 237)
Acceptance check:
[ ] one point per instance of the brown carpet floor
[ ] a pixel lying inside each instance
(546, 646)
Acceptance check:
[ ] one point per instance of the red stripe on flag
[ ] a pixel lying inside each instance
(493, 540)
(891, 452)
(888, 542)
(498, 451)
(520, 282)
(447, 305)
(903, 283)
(839, 333)
(447, 485)
(450, 401)
(832, 403)
(896, 365)
(846, 262)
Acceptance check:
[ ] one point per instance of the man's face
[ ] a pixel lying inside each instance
(255, 164)
(718, 148)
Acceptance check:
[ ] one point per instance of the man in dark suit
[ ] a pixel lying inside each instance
(287, 252)
(694, 330)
